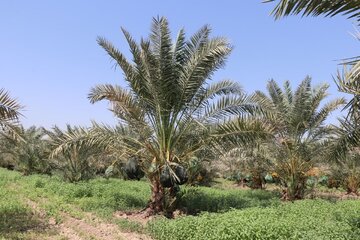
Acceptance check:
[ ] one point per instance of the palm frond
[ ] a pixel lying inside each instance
(9, 113)
(227, 106)
(320, 116)
(242, 131)
(328, 8)
(345, 140)
(135, 75)
(288, 93)
(224, 87)
(352, 87)
(122, 102)
(9, 107)
(64, 141)
(202, 65)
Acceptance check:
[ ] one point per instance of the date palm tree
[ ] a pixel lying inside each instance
(298, 119)
(9, 112)
(169, 103)
(348, 81)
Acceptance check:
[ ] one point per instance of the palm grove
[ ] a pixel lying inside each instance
(177, 127)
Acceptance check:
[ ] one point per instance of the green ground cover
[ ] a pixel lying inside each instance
(218, 213)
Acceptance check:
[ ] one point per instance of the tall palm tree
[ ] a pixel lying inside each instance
(298, 119)
(9, 112)
(169, 102)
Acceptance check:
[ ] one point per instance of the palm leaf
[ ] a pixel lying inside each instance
(9, 114)
(328, 8)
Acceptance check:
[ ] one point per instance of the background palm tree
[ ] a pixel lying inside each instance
(77, 161)
(169, 103)
(344, 151)
(348, 81)
(9, 112)
(299, 129)
(29, 152)
(246, 164)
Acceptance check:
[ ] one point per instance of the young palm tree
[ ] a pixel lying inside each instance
(169, 104)
(9, 112)
(299, 128)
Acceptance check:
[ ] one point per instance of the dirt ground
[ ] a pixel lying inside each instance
(89, 227)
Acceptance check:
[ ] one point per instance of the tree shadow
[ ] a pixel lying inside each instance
(194, 200)
(15, 224)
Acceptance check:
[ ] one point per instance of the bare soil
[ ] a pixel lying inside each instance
(139, 217)
(86, 228)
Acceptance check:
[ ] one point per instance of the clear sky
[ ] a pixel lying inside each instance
(50, 59)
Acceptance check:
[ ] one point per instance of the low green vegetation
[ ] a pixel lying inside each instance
(102, 196)
(105, 196)
(15, 216)
(307, 219)
(237, 213)
(193, 200)
(11, 210)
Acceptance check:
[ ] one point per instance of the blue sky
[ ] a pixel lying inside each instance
(50, 59)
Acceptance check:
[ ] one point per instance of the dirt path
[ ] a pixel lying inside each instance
(90, 227)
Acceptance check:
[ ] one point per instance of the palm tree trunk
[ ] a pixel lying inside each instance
(296, 189)
(157, 197)
(257, 181)
(352, 185)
